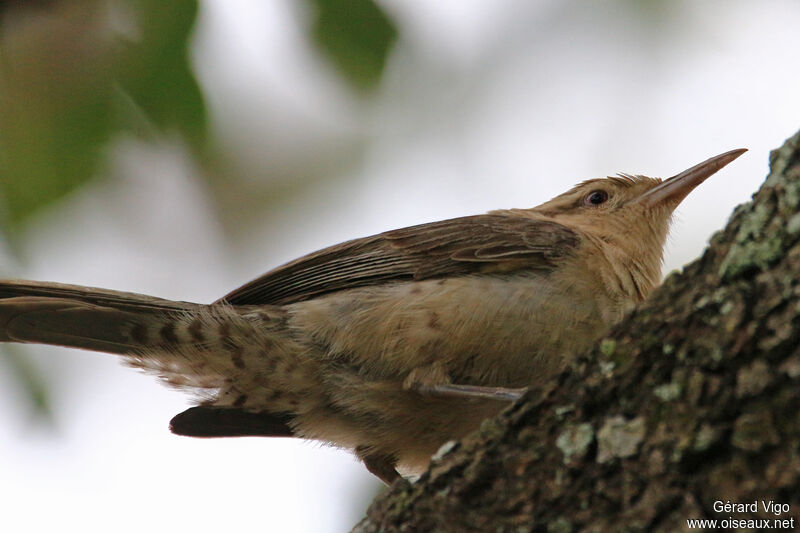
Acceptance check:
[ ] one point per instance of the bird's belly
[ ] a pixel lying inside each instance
(484, 330)
(510, 331)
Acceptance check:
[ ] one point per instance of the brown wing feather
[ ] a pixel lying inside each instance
(459, 246)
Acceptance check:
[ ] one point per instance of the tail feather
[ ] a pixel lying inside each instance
(233, 357)
(81, 317)
(118, 299)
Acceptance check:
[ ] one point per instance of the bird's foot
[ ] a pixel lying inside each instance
(380, 465)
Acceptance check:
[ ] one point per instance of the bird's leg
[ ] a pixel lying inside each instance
(380, 465)
(433, 380)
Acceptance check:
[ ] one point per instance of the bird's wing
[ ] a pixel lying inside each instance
(489, 243)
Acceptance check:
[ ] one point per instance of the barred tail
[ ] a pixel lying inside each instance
(241, 360)
(83, 317)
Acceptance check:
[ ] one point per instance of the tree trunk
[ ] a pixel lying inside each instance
(693, 399)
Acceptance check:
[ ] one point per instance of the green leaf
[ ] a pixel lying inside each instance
(357, 36)
(155, 71)
(55, 94)
(67, 75)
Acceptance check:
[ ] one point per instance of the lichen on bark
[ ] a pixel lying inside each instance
(698, 391)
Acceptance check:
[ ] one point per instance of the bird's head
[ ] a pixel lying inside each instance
(632, 214)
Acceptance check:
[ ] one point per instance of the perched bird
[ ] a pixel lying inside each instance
(389, 345)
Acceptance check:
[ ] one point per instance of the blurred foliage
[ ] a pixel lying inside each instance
(73, 75)
(61, 67)
(29, 378)
(156, 73)
(356, 35)
(55, 93)
(68, 73)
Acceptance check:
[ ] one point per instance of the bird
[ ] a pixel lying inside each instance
(389, 345)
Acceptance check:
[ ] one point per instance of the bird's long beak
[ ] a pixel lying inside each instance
(671, 191)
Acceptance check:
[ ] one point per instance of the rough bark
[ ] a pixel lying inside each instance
(693, 398)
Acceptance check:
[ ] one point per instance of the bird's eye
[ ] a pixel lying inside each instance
(595, 198)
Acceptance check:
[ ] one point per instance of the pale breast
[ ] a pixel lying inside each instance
(507, 330)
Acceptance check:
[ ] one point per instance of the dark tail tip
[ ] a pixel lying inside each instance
(208, 421)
